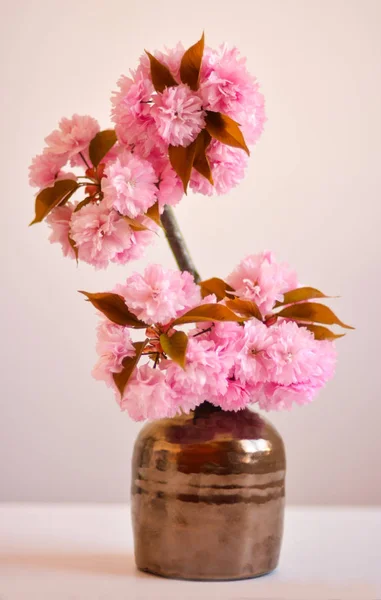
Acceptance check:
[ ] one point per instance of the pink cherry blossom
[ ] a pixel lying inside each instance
(204, 376)
(44, 169)
(73, 136)
(130, 185)
(261, 279)
(170, 187)
(135, 125)
(113, 345)
(253, 121)
(326, 358)
(302, 365)
(226, 86)
(233, 344)
(252, 362)
(148, 396)
(274, 396)
(159, 295)
(226, 335)
(228, 169)
(139, 241)
(99, 234)
(178, 115)
(60, 220)
(236, 396)
(292, 353)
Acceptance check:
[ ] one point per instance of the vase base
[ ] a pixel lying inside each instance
(207, 578)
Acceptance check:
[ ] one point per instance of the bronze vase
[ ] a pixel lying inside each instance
(208, 495)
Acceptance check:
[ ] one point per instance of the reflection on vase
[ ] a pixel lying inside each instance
(208, 495)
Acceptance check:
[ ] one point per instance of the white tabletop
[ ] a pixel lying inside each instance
(80, 552)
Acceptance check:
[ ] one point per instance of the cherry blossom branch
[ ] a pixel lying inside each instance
(177, 243)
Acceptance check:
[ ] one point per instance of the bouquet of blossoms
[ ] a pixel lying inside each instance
(166, 340)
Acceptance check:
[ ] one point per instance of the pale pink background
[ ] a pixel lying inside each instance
(312, 195)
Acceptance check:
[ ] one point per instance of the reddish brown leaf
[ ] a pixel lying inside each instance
(300, 294)
(225, 130)
(92, 189)
(182, 161)
(129, 363)
(322, 333)
(91, 173)
(191, 64)
(83, 203)
(101, 144)
(114, 308)
(51, 197)
(160, 74)
(101, 171)
(201, 162)
(246, 308)
(135, 224)
(208, 312)
(73, 245)
(312, 312)
(175, 346)
(153, 213)
(215, 286)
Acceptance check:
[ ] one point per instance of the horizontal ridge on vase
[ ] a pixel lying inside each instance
(208, 494)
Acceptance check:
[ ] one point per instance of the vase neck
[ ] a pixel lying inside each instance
(205, 408)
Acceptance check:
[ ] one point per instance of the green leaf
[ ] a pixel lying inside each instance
(153, 213)
(114, 308)
(215, 286)
(175, 346)
(160, 74)
(246, 308)
(51, 197)
(208, 312)
(191, 64)
(300, 294)
(201, 161)
(312, 312)
(322, 333)
(182, 161)
(225, 130)
(101, 144)
(129, 363)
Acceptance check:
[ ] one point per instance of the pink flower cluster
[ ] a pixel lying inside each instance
(149, 121)
(127, 186)
(230, 364)
(137, 173)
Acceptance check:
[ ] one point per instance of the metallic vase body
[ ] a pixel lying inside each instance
(208, 495)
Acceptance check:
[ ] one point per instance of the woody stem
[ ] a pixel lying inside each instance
(177, 243)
